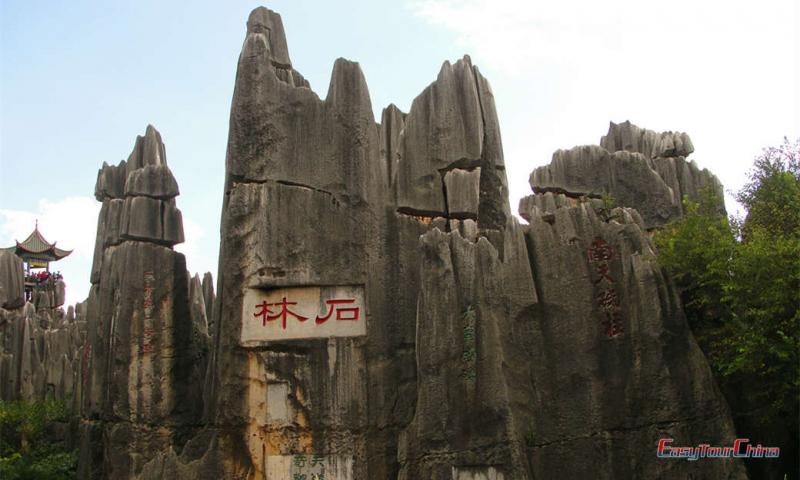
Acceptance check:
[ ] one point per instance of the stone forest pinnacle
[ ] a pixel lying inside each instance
(379, 312)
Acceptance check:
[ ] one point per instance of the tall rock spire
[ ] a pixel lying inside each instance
(144, 357)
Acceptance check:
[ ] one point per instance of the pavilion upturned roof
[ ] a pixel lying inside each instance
(36, 246)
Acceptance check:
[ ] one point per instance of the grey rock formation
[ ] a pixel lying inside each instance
(209, 299)
(40, 354)
(152, 181)
(60, 293)
(628, 137)
(12, 281)
(469, 366)
(138, 198)
(451, 124)
(635, 373)
(462, 189)
(489, 349)
(456, 374)
(638, 168)
(146, 348)
(392, 123)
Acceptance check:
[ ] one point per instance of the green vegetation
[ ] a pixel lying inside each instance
(26, 452)
(609, 204)
(740, 283)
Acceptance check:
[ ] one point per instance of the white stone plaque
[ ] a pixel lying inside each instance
(302, 312)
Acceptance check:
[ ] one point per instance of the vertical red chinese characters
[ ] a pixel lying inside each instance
(600, 254)
(147, 306)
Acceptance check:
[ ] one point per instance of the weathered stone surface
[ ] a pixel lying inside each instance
(635, 372)
(148, 150)
(173, 224)
(467, 228)
(148, 219)
(209, 298)
(392, 124)
(39, 354)
(143, 363)
(443, 129)
(637, 168)
(109, 223)
(197, 304)
(463, 192)
(111, 181)
(489, 349)
(142, 219)
(266, 24)
(12, 281)
(138, 199)
(464, 408)
(415, 397)
(153, 181)
(59, 293)
(629, 137)
(627, 177)
(287, 134)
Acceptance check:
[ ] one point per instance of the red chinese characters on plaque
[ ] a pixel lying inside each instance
(302, 312)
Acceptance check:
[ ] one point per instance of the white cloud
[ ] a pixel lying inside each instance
(725, 72)
(71, 222)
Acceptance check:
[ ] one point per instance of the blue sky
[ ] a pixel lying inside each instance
(79, 80)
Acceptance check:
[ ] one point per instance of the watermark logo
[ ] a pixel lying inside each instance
(741, 448)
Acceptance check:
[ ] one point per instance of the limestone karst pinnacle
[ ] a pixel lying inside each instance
(638, 168)
(485, 348)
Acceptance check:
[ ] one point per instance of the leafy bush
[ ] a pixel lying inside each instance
(26, 452)
(740, 279)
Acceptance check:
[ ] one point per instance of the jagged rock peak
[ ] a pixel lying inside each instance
(138, 198)
(265, 24)
(111, 181)
(265, 47)
(348, 88)
(629, 137)
(148, 152)
(638, 168)
(452, 124)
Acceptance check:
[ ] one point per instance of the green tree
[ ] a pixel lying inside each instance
(772, 195)
(26, 451)
(697, 250)
(740, 284)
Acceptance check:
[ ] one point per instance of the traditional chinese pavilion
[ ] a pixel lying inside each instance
(36, 252)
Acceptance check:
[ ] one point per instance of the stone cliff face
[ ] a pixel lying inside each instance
(613, 361)
(491, 349)
(41, 353)
(379, 313)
